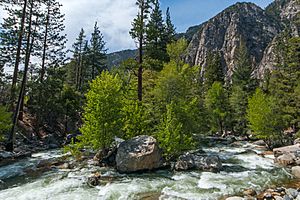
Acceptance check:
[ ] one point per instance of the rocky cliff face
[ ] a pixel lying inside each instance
(242, 21)
(287, 12)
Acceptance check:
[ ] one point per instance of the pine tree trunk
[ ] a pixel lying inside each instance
(27, 63)
(45, 45)
(11, 139)
(18, 55)
(140, 72)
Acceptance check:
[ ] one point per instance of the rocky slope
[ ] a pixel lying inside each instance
(242, 21)
(287, 12)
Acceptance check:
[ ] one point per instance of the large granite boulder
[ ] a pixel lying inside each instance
(141, 153)
(289, 155)
(198, 161)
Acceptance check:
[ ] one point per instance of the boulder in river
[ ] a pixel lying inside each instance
(289, 155)
(198, 161)
(141, 153)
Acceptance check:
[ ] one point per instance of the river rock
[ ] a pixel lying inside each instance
(139, 154)
(198, 161)
(287, 149)
(260, 143)
(250, 192)
(297, 141)
(106, 157)
(293, 193)
(278, 198)
(296, 171)
(289, 155)
(287, 197)
(286, 159)
(235, 198)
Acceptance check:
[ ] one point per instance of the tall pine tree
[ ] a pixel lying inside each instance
(138, 32)
(155, 38)
(97, 52)
(243, 86)
(54, 41)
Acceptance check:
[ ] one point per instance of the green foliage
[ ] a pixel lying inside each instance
(177, 103)
(242, 74)
(171, 135)
(243, 86)
(264, 119)
(135, 119)
(103, 111)
(213, 70)
(285, 80)
(97, 53)
(5, 122)
(155, 37)
(216, 103)
(239, 102)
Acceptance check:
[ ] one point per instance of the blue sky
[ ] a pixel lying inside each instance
(115, 17)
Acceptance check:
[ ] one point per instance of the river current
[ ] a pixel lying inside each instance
(242, 169)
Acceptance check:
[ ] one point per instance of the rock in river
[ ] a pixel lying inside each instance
(296, 171)
(289, 155)
(139, 154)
(198, 161)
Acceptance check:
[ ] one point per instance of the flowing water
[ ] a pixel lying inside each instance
(242, 169)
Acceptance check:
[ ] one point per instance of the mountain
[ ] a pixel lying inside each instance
(222, 33)
(287, 12)
(116, 58)
(258, 28)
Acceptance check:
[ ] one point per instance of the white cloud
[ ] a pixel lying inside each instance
(113, 16)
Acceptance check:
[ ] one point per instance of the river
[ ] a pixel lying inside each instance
(242, 169)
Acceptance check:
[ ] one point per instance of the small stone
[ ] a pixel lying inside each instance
(296, 171)
(280, 190)
(278, 198)
(235, 198)
(292, 192)
(250, 192)
(286, 197)
(268, 196)
(94, 180)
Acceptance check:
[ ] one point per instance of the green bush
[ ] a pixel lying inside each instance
(103, 111)
(5, 122)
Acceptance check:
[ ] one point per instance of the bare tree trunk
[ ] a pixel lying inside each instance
(11, 139)
(45, 45)
(18, 55)
(140, 71)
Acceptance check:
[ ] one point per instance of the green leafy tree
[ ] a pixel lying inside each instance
(264, 118)
(171, 135)
(177, 103)
(135, 119)
(103, 111)
(217, 107)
